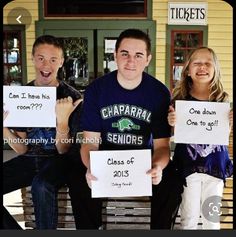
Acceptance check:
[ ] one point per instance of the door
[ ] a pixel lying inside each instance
(14, 61)
(182, 43)
(181, 40)
(106, 40)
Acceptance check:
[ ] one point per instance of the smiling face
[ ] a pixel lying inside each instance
(47, 60)
(201, 67)
(131, 58)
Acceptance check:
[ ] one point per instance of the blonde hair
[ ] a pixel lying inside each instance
(183, 87)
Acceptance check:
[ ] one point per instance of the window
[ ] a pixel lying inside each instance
(182, 43)
(91, 8)
(75, 68)
(12, 57)
(109, 48)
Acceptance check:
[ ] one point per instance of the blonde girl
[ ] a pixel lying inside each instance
(204, 167)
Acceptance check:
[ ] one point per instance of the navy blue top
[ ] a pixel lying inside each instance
(209, 159)
(47, 136)
(126, 119)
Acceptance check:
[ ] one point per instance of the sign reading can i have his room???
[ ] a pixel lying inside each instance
(29, 106)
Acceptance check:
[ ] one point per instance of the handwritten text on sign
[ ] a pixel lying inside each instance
(202, 122)
(29, 106)
(121, 173)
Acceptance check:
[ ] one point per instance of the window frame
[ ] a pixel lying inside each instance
(22, 46)
(146, 15)
(183, 48)
(170, 47)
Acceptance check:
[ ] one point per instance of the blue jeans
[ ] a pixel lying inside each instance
(46, 175)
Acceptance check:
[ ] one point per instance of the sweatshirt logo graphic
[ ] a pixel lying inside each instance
(125, 124)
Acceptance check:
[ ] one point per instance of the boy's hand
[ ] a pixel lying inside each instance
(89, 177)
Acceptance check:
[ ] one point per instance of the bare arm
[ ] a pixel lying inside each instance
(87, 146)
(160, 158)
(64, 108)
(90, 143)
(14, 139)
(161, 155)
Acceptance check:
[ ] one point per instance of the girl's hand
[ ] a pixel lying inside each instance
(156, 173)
(171, 116)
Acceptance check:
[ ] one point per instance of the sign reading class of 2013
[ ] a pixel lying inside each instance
(121, 173)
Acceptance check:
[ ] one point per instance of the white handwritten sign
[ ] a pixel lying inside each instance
(121, 173)
(29, 106)
(202, 122)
